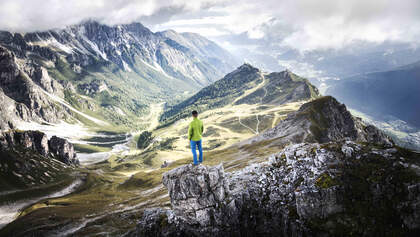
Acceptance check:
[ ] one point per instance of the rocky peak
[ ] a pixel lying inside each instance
(138, 29)
(63, 150)
(246, 67)
(323, 120)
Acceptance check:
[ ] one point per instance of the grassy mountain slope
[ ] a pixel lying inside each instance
(246, 85)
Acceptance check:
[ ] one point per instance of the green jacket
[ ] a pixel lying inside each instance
(195, 130)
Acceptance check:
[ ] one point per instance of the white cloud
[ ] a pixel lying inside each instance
(300, 24)
(24, 15)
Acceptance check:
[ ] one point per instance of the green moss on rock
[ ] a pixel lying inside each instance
(325, 181)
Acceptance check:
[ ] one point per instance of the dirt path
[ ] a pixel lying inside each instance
(248, 92)
(153, 117)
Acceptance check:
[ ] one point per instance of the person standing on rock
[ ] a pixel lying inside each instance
(195, 132)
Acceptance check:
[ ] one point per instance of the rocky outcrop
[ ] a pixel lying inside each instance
(57, 148)
(93, 87)
(196, 192)
(307, 189)
(337, 176)
(323, 120)
(62, 150)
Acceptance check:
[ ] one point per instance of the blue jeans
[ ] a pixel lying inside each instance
(194, 145)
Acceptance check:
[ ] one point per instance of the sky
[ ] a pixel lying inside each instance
(301, 24)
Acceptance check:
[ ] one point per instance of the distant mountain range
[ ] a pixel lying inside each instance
(109, 72)
(385, 96)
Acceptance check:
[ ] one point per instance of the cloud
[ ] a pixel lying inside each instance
(300, 24)
(36, 15)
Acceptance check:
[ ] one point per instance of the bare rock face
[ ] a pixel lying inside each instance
(63, 150)
(22, 86)
(305, 190)
(93, 87)
(34, 140)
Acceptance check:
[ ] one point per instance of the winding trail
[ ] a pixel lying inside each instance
(248, 92)
(258, 124)
(239, 119)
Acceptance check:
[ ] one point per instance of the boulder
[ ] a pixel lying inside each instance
(63, 150)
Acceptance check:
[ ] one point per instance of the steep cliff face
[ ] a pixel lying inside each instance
(333, 189)
(322, 120)
(89, 43)
(24, 89)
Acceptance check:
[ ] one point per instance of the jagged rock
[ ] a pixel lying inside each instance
(63, 150)
(33, 64)
(323, 120)
(34, 140)
(195, 192)
(93, 87)
(37, 141)
(305, 190)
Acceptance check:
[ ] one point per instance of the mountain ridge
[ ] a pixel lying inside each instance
(245, 85)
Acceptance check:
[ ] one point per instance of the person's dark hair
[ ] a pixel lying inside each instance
(195, 112)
